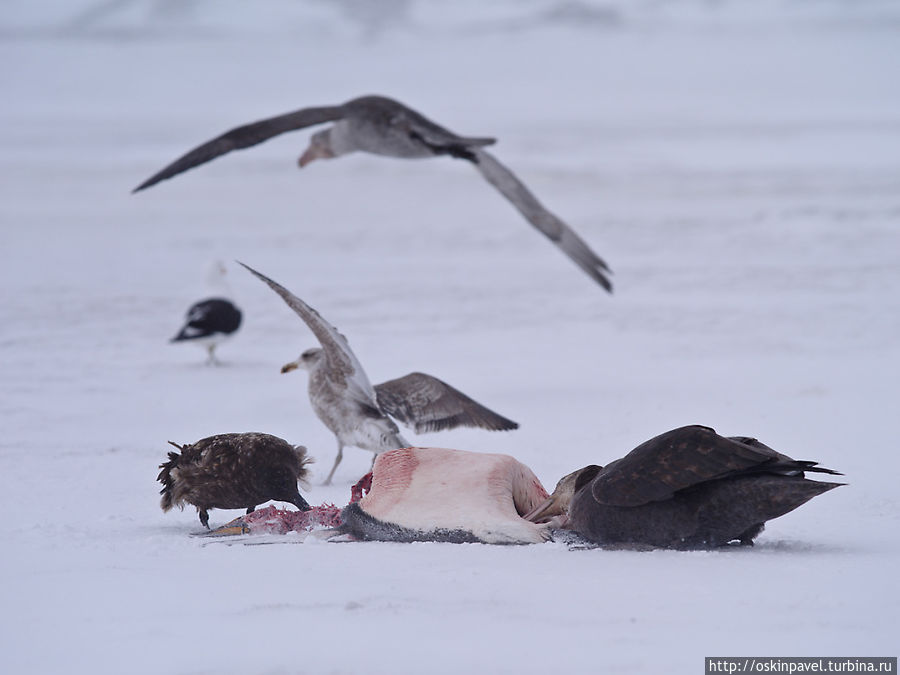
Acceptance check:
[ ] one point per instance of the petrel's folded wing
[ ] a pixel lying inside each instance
(685, 457)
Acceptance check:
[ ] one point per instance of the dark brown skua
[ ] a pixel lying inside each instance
(233, 471)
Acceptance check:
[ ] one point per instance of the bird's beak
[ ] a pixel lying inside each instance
(288, 367)
(555, 509)
(306, 157)
(552, 506)
(314, 152)
(232, 528)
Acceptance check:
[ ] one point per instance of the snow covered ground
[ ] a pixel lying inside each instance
(737, 164)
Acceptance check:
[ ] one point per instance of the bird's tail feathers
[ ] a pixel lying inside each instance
(814, 467)
(167, 476)
(478, 142)
(303, 460)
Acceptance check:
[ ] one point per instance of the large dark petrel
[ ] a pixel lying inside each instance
(382, 126)
(686, 488)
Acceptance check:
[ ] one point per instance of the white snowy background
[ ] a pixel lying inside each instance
(736, 163)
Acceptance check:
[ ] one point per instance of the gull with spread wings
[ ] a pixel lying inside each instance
(359, 414)
(382, 126)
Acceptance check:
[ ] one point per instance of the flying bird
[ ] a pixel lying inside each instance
(233, 471)
(687, 488)
(211, 321)
(383, 126)
(359, 414)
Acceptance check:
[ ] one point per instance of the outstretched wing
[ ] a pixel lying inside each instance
(244, 137)
(340, 359)
(684, 457)
(426, 403)
(547, 223)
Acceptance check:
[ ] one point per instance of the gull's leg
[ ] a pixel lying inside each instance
(211, 360)
(337, 460)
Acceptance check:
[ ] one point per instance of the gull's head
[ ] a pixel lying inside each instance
(555, 508)
(320, 147)
(307, 360)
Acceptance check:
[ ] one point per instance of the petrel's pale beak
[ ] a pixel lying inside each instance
(307, 157)
(554, 505)
(288, 367)
(314, 151)
(555, 509)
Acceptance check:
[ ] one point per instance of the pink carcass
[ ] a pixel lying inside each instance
(424, 494)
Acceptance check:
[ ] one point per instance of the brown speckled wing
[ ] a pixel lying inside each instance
(426, 403)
